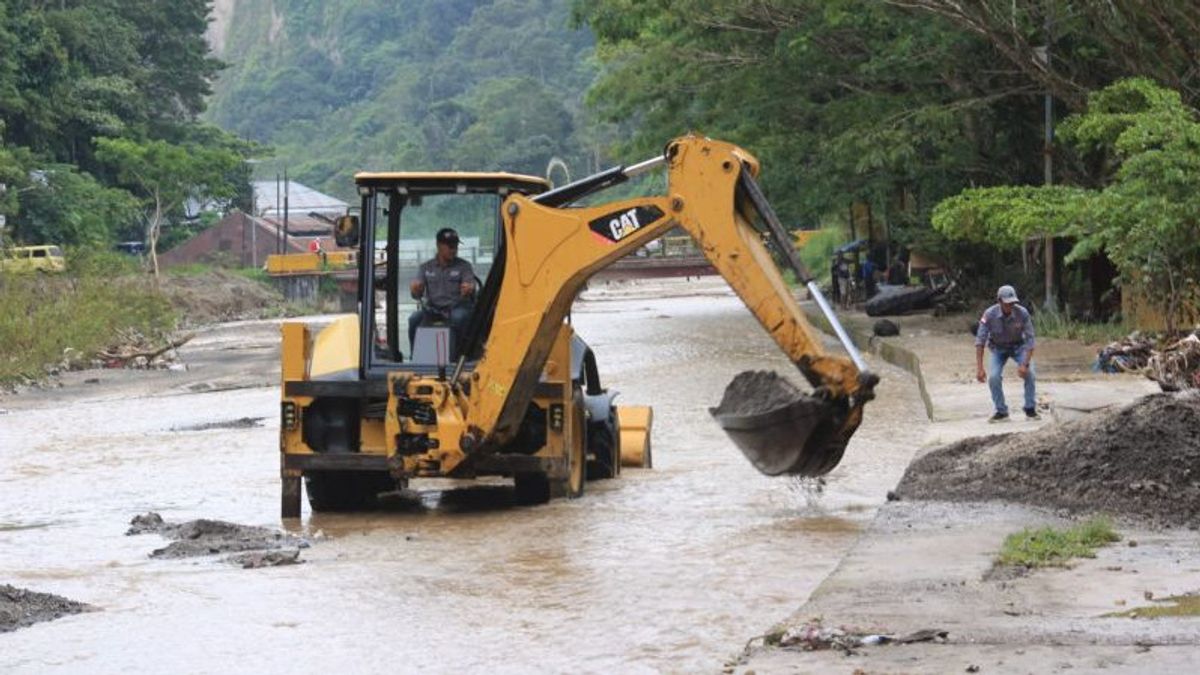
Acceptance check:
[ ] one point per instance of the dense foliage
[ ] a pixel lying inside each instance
(1145, 215)
(74, 71)
(349, 85)
(899, 104)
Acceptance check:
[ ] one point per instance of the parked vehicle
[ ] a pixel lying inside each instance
(45, 258)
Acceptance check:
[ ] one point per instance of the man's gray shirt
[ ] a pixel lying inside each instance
(443, 284)
(1005, 332)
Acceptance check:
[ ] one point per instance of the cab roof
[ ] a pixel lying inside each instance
(434, 182)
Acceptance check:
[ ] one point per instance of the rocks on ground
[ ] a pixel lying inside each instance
(20, 608)
(1142, 461)
(257, 546)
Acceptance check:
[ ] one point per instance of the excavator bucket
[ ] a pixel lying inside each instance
(782, 430)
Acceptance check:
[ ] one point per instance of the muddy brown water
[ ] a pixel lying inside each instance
(666, 570)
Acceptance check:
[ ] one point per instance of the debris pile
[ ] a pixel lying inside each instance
(1175, 367)
(1130, 354)
(1141, 461)
(1178, 366)
(254, 546)
(20, 608)
(132, 349)
(814, 636)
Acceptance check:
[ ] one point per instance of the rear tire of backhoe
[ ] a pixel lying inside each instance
(572, 485)
(334, 491)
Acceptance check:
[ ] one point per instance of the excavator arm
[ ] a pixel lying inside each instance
(551, 251)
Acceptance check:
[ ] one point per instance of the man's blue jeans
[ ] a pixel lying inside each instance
(997, 356)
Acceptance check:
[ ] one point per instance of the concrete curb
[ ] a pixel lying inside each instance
(888, 351)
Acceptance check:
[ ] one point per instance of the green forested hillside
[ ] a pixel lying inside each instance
(348, 85)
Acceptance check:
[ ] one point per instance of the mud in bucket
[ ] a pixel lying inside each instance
(779, 428)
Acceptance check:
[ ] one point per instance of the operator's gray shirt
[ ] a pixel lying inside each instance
(443, 284)
(1005, 332)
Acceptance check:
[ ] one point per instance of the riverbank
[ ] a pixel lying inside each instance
(930, 566)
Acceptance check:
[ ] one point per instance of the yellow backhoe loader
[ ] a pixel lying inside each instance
(518, 393)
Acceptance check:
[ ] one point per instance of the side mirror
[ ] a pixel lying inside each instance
(345, 231)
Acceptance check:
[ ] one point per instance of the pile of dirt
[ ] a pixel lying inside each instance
(20, 608)
(219, 295)
(1141, 461)
(211, 537)
(753, 392)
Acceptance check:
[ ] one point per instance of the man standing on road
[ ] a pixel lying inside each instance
(1006, 329)
(445, 286)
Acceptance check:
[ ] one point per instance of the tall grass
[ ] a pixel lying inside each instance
(1059, 325)
(46, 319)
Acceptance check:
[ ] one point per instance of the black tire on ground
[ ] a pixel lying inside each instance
(530, 489)
(604, 445)
(899, 302)
(346, 490)
(885, 328)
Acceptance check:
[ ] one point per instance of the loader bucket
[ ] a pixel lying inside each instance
(782, 430)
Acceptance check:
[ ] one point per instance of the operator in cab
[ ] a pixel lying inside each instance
(445, 287)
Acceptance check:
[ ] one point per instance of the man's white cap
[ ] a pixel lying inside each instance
(1007, 294)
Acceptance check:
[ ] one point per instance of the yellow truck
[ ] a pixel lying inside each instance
(22, 259)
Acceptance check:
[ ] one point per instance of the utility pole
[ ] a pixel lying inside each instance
(286, 191)
(277, 239)
(1051, 303)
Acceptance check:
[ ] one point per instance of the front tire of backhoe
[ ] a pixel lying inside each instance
(334, 491)
(604, 445)
(531, 489)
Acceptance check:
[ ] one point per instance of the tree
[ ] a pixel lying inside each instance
(165, 175)
(843, 100)
(1145, 216)
(1092, 43)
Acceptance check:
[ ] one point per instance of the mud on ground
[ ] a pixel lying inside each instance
(255, 546)
(1142, 461)
(20, 608)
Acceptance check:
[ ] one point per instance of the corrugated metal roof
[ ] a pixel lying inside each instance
(301, 200)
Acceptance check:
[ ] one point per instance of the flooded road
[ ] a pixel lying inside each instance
(666, 570)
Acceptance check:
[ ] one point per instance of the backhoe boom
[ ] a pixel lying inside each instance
(551, 252)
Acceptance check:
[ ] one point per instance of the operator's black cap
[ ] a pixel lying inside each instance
(447, 235)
